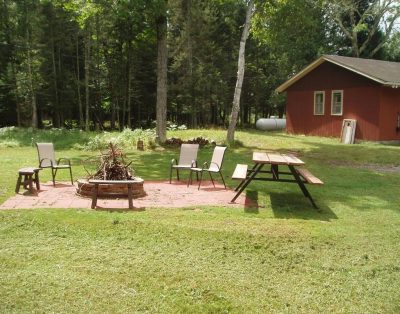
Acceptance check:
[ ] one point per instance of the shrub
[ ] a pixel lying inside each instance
(9, 143)
(126, 138)
(197, 140)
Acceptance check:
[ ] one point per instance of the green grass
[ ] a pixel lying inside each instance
(282, 257)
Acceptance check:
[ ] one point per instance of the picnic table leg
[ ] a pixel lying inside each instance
(241, 183)
(94, 195)
(246, 181)
(130, 196)
(302, 186)
(275, 172)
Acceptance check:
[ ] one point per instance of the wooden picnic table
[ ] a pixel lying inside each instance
(296, 173)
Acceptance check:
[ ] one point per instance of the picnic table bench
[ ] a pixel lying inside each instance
(96, 184)
(240, 172)
(301, 176)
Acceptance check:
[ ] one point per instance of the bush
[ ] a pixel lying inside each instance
(127, 138)
(197, 140)
(10, 143)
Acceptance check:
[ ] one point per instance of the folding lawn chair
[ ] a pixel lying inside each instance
(47, 160)
(187, 159)
(214, 167)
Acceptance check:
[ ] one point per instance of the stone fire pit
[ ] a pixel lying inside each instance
(111, 190)
(114, 173)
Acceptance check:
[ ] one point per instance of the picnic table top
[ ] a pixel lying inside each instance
(276, 159)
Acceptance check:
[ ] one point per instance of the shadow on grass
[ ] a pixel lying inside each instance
(251, 202)
(294, 205)
(120, 210)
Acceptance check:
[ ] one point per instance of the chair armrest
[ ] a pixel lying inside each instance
(68, 161)
(41, 160)
(216, 165)
(205, 165)
(174, 161)
(194, 163)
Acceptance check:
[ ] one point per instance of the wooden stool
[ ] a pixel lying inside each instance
(28, 173)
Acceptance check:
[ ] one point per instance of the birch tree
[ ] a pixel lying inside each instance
(240, 73)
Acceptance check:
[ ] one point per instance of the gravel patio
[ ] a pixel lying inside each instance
(158, 194)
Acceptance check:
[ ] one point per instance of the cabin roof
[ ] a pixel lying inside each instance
(383, 72)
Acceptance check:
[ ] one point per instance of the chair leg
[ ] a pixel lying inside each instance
(70, 173)
(201, 178)
(177, 174)
(53, 174)
(212, 180)
(170, 175)
(190, 178)
(222, 179)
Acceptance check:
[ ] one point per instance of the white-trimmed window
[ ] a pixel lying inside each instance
(319, 103)
(337, 103)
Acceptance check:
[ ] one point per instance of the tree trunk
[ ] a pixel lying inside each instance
(87, 70)
(56, 110)
(128, 86)
(10, 42)
(78, 84)
(97, 76)
(162, 58)
(34, 121)
(17, 98)
(60, 86)
(113, 115)
(240, 75)
(123, 122)
(187, 11)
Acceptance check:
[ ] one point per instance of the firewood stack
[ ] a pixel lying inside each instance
(113, 166)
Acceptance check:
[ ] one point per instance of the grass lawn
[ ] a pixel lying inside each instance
(282, 257)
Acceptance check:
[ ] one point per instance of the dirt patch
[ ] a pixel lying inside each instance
(372, 167)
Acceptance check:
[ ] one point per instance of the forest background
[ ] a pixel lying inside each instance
(92, 64)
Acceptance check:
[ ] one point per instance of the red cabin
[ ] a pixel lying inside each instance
(334, 88)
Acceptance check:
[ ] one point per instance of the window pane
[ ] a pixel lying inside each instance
(318, 103)
(337, 98)
(337, 103)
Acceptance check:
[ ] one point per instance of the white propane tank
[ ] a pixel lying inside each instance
(270, 124)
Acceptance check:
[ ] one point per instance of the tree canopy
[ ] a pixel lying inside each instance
(104, 65)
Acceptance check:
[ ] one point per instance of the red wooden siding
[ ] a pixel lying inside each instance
(389, 109)
(361, 101)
